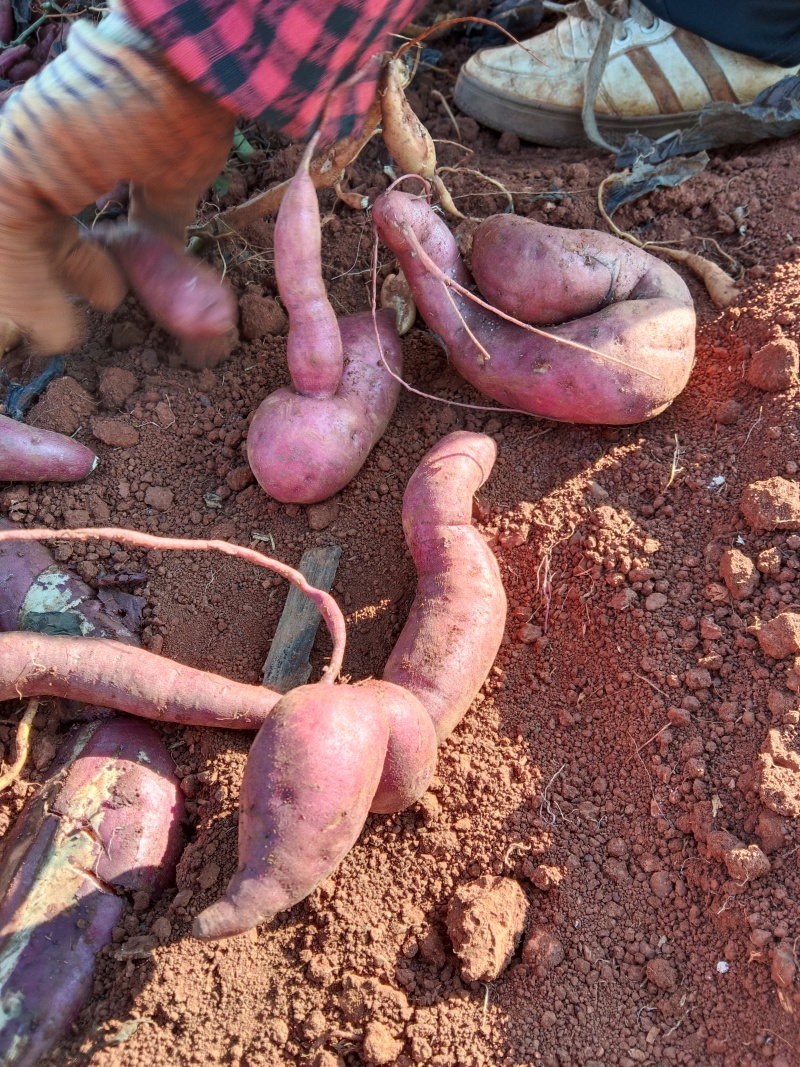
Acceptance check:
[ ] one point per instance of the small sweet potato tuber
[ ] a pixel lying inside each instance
(456, 623)
(308, 442)
(182, 294)
(28, 454)
(625, 357)
(106, 821)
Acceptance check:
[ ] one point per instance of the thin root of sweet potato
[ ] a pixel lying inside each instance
(23, 739)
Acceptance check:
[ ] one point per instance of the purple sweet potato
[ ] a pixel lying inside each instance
(182, 294)
(39, 595)
(107, 820)
(626, 351)
(28, 454)
(456, 623)
(302, 448)
(306, 443)
(129, 679)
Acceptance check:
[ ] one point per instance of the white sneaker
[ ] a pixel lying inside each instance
(655, 80)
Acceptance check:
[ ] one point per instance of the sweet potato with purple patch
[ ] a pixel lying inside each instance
(28, 454)
(455, 626)
(107, 820)
(39, 595)
(615, 326)
(307, 442)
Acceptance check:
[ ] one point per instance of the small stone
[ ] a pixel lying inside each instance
(661, 973)
(739, 573)
(542, 950)
(485, 920)
(379, 1046)
(115, 432)
(182, 898)
(64, 407)
(115, 386)
(240, 477)
(508, 144)
(772, 504)
(528, 633)
(746, 863)
(771, 830)
(139, 947)
(384, 463)
(698, 678)
(655, 602)
(709, 630)
(161, 928)
(775, 367)
(126, 335)
(661, 884)
(165, 415)
(261, 316)
(784, 965)
(546, 877)
(43, 754)
(320, 516)
(729, 413)
(208, 875)
(780, 637)
(624, 599)
(156, 496)
(769, 562)
(679, 717)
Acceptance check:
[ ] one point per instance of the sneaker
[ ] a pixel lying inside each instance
(655, 79)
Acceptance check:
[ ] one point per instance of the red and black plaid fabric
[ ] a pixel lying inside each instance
(279, 60)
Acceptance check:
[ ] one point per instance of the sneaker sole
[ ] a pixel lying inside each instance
(553, 126)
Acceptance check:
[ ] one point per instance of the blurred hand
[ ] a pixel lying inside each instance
(107, 109)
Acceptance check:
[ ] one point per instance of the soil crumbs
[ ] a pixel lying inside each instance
(632, 765)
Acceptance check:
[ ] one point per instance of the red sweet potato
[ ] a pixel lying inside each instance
(411, 753)
(302, 448)
(128, 679)
(28, 454)
(456, 622)
(623, 359)
(107, 820)
(182, 294)
(39, 595)
(308, 442)
(310, 777)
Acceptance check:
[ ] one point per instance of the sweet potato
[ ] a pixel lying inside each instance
(28, 454)
(456, 623)
(129, 679)
(107, 820)
(308, 442)
(182, 294)
(624, 359)
(39, 595)
(303, 449)
(311, 776)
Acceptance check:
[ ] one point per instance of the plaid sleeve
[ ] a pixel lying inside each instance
(278, 60)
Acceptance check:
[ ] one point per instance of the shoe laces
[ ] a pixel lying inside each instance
(609, 16)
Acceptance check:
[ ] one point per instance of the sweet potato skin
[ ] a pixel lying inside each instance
(310, 778)
(35, 593)
(647, 338)
(182, 294)
(410, 760)
(28, 454)
(107, 818)
(303, 449)
(130, 679)
(455, 626)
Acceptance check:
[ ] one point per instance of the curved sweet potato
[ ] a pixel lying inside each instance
(302, 448)
(625, 359)
(108, 819)
(310, 778)
(129, 679)
(28, 454)
(182, 294)
(308, 442)
(456, 623)
(411, 753)
(37, 594)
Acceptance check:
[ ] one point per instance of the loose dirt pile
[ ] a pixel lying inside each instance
(615, 821)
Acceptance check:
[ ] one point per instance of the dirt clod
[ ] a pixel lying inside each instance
(261, 316)
(115, 386)
(661, 973)
(485, 921)
(780, 637)
(379, 1046)
(739, 573)
(774, 368)
(64, 407)
(773, 504)
(115, 432)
